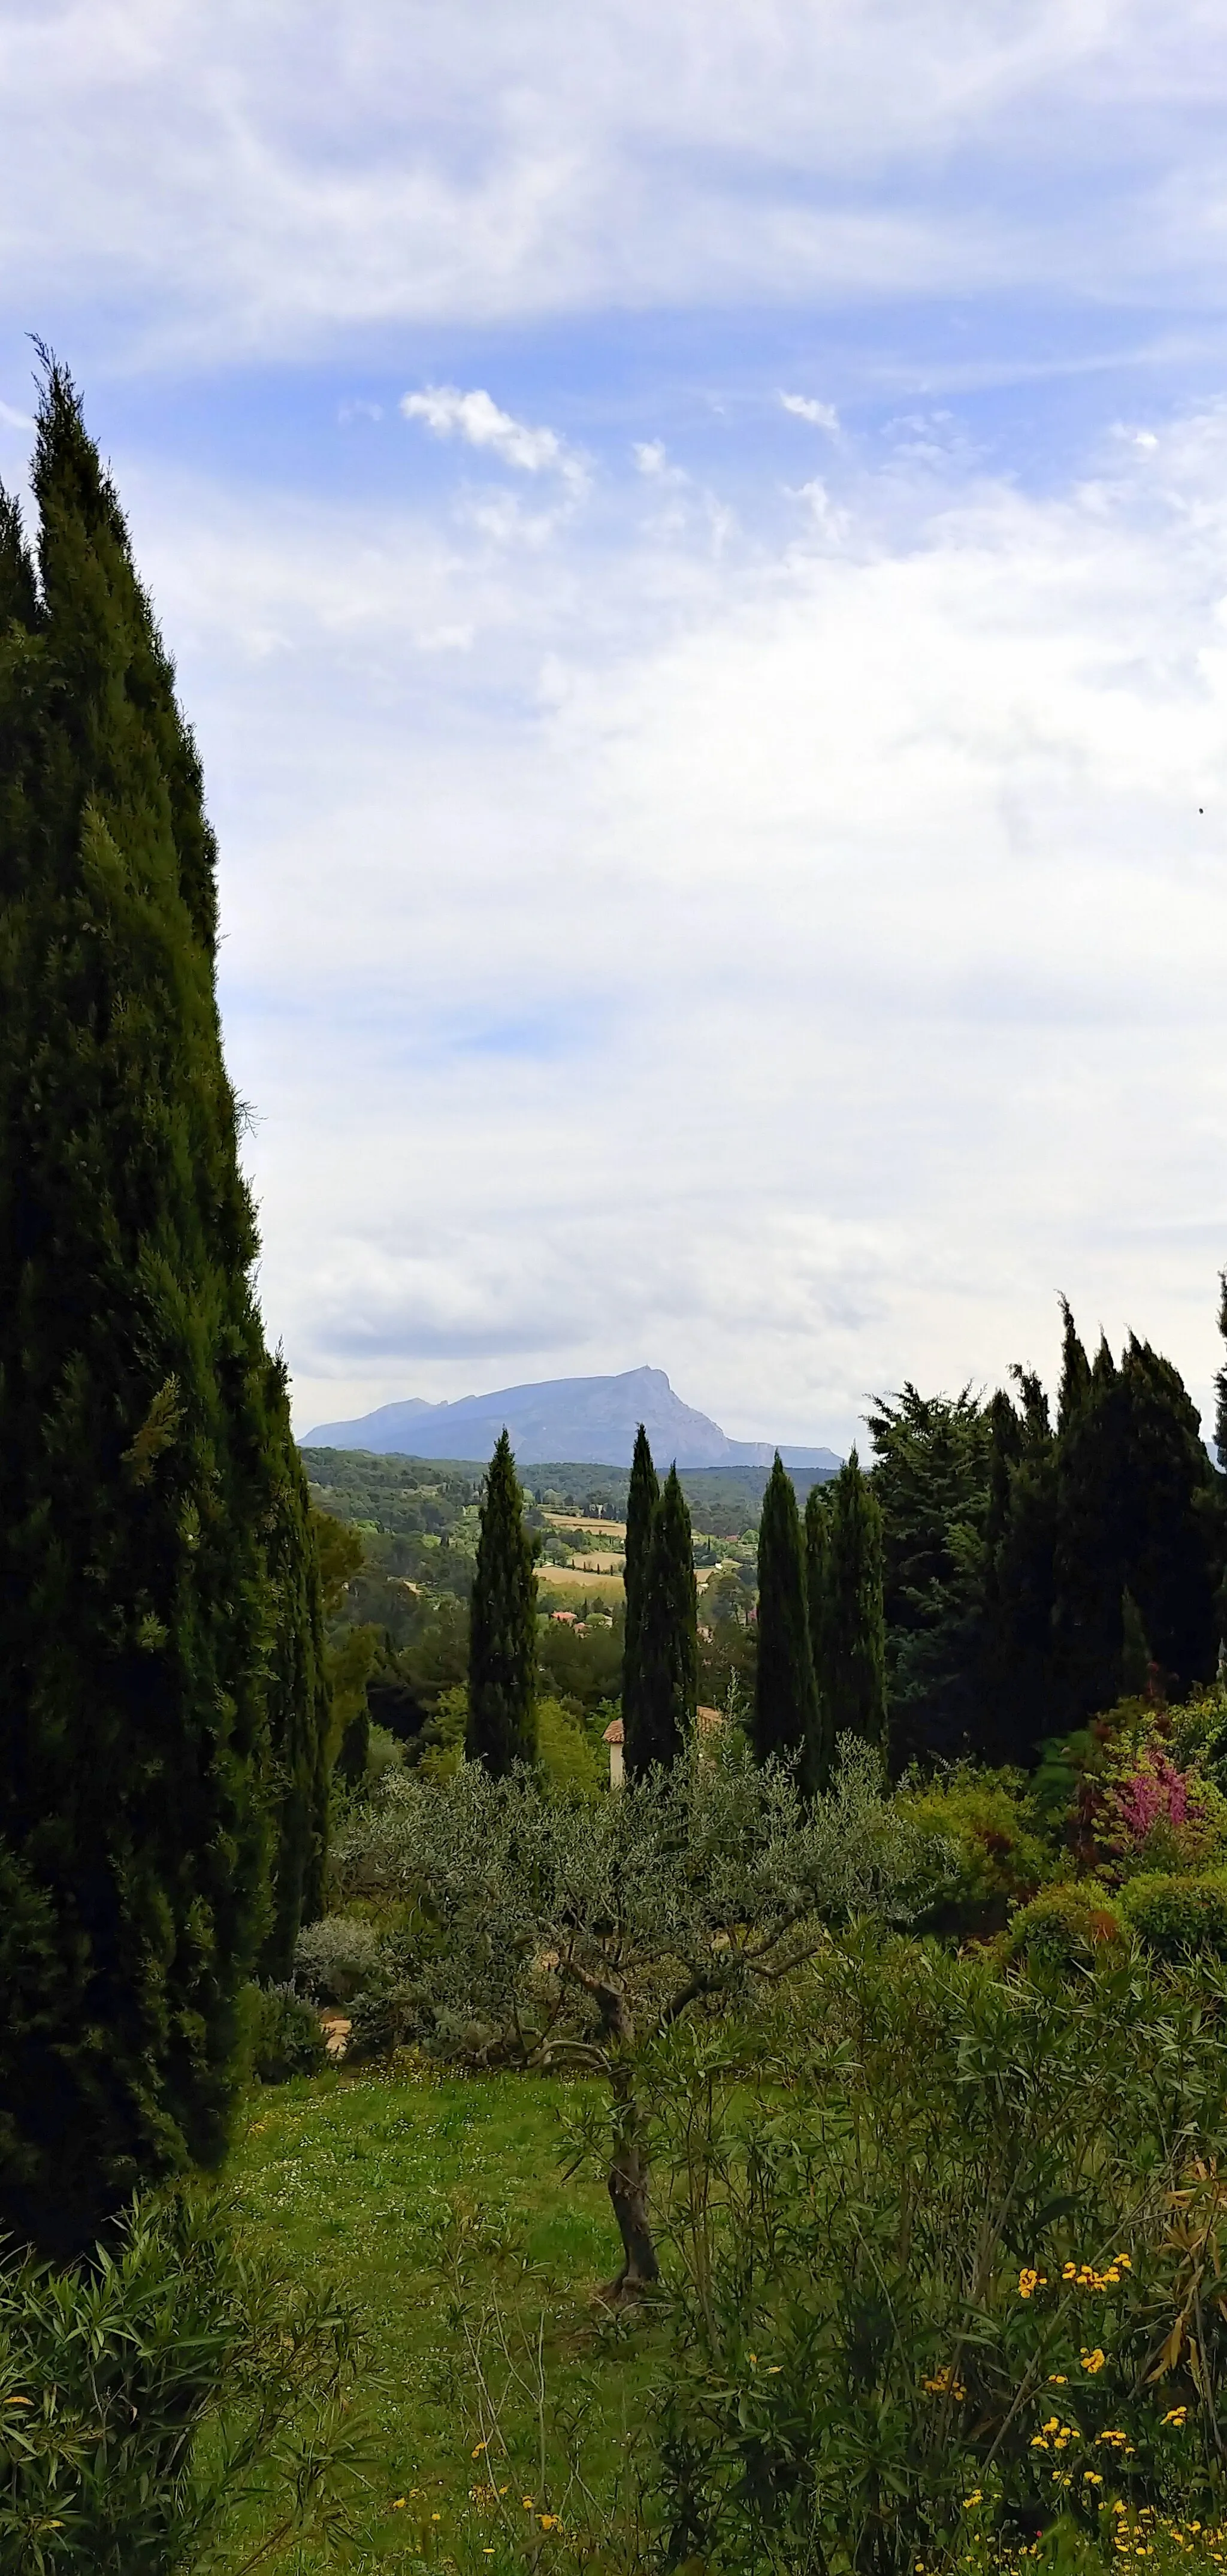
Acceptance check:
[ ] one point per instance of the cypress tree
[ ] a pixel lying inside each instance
(502, 1626)
(852, 1671)
(786, 1719)
(641, 1501)
(154, 1584)
(669, 1638)
(1075, 1372)
(1090, 1570)
(817, 1553)
(1020, 1593)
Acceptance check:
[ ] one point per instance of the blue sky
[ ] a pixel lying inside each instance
(696, 546)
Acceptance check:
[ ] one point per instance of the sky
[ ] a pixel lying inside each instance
(695, 546)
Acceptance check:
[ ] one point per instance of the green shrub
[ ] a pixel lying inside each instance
(336, 1957)
(285, 2038)
(923, 2261)
(174, 2404)
(1175, 1917)
(567, 1758)
(1001, 1856)
(1067, 1924)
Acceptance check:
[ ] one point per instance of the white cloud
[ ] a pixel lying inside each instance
(822, 415)
(818, 970)
(12, 419)
(477, 419)
(239, 179)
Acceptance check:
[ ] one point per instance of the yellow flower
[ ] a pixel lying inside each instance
(548, 2521)
(478, 2448)
(397, 2502)
(1093, 2361)
(976, 2497)
(1057, 2379)
(1175, 2415)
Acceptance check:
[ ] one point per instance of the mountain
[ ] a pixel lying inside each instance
(588, 1421)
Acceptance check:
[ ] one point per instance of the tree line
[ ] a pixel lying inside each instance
(821, 1656)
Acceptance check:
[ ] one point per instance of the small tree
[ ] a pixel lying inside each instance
(786, 1719)
(669, 1638)
(641, 1501)
(852, 1636)
(503, 1626)
(573, 1934)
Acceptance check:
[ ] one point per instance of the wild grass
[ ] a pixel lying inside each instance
(437, 2208)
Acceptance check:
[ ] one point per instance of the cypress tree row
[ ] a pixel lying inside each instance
(642, 1498)
(852, 1631)
(669, 1638)
(786, 1719)
(158, 1605)
(502, 1626)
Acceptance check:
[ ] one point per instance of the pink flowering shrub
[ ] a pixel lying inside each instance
(1155, 1814)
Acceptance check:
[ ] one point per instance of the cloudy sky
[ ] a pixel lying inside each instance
(695, 541)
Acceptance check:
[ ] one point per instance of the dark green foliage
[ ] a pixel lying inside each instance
(643, 1495)
(668, 1639)
(158, 1618)
(299, 1693)
(285, 2037)
(786, 1712)
(1075, 1372)
(850, 1634)
(1136, 1515)
(1021, 1533)
(931, 1478)
(502, 1626)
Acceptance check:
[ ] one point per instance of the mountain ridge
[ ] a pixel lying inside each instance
(590, 1420)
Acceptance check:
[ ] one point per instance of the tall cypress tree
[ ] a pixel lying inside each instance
(786, 1717)
(152, 1582)
(1019, 1587)
(669, 1638)
(817, 1538)
(502, 1626)
(852, 1671)
(641, 1501)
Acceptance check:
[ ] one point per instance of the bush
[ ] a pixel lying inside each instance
(924, 2259)
(336, 1957)
(284, 2035)
(1000, 1853)
(567, 1758)
(1177, 1918)
(1067, 1925)
(170, 2397)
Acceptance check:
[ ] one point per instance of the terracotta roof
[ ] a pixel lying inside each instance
(613, 1732)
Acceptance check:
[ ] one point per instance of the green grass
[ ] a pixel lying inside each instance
(429, 2205)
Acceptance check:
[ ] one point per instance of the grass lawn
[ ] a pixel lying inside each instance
(422, 2201)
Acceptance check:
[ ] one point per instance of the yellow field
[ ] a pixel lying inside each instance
(571, 1586)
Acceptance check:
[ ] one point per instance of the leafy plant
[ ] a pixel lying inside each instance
(285, 2038)
(933, 2257)
(174, 2405)
(1001, 1856)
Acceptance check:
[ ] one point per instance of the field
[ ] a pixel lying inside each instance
(423, 2202)
(581, 1581)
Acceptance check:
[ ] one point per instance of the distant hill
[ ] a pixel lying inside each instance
(592, 1420)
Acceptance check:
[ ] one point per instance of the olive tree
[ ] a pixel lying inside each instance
(572, 1934)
